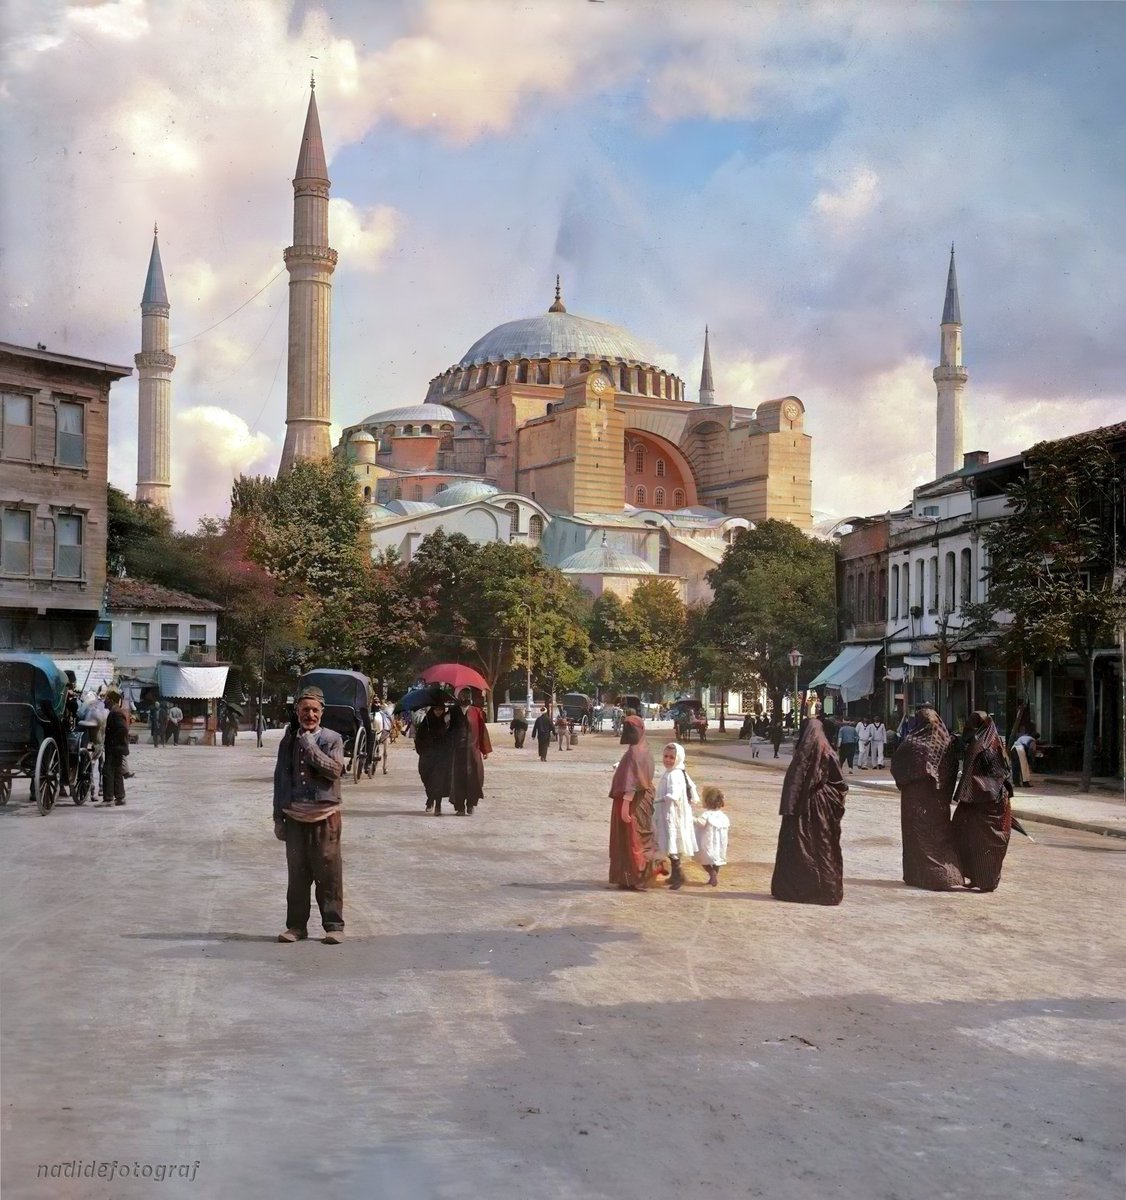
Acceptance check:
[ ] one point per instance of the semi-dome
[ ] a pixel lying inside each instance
(419, 414)
(605, 560)
(463, 493)
(554, 335)
(361, 435)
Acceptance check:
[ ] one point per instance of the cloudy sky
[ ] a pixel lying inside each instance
(790, 175)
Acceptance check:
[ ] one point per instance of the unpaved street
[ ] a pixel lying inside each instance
(499, 1023)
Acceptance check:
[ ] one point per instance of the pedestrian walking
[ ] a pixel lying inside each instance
(776, 733)
(1024, 750)
(175, 719)
(434, 744)
(712, 826)
(562, 731)
(632, 848)
(879, 742)
(115, 753)
(864, 736)
(672, 813)
(156, 731)
(541, 731)
(848, 741)
(471, 747)
(259, 727)
(518, 727)
(808, 868)
(925, 768)
(984, 816)
(307, 818)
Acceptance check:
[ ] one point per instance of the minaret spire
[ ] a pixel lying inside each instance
(558, 306)
(310, 262)
(707, 387)
(950, 379)
(154, 390)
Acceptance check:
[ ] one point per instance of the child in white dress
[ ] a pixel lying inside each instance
(711, 835)
(672, 812)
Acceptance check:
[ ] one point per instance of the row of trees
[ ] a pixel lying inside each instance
(297, 586)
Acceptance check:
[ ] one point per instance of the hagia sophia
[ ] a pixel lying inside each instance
(553, 430)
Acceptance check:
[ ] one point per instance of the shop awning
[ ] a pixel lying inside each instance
(181, 682)
(90, 671)
(851, 673)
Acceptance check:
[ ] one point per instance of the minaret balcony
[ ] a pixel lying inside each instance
(155, 358)
(322, 254)
(950, 372)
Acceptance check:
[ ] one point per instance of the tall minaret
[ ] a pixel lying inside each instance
(154, 391)
(707, 388)
(950, 379)
(310, 261)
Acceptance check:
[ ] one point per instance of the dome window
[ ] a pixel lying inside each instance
(440, 488)
(513, 510)
(416, 493)
(639, 496)
(660, 468)
(639, 459)
(535, 528)
(678, 498)
(426, 429)
(659, 498)
(409, 429)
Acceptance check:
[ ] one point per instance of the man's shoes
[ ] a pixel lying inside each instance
(333, 937)
(119, 803)
(292, 935)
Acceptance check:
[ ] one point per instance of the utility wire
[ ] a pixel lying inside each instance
(229, 315)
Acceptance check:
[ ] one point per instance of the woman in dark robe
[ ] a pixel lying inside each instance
(434, 743)
(925, 767)
(632, 845)
(808, 868)
(471, 747)
(984, 815)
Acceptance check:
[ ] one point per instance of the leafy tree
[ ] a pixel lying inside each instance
(774, 590)
(1054, 565)
(142, 544)
(655, 660)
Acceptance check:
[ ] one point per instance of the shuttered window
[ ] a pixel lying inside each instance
(15, 426)
(15, 542)
(68, 546)
(70, 438)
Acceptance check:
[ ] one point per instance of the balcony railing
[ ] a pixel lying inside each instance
(199, 653)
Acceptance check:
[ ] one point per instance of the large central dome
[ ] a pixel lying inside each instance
(553, 335)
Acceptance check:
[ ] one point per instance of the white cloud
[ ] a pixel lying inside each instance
(852, 200)
(361, 237)
(210, 447)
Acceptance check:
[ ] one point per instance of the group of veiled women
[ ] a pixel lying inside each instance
(452, 741)
(933, 770)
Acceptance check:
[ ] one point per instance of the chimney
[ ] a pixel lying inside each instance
(975, 458)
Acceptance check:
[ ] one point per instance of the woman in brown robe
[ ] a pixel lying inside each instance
(925, 767)
(632, 846)
(984, 815)
(471, 746)
(808, 868)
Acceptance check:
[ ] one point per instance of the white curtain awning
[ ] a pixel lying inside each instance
(917, 660)
(91, 671)
(181, 682)
(852, 673)
(895, 674)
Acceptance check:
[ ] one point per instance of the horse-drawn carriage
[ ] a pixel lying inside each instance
(34, 740)
(347, 712)
(689, 716)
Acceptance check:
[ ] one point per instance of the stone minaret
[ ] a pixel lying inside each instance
(154, 391)
(950, 379)
(707, 387)
(310, 261)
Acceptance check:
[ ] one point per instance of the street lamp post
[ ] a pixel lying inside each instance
(529, 701)
(795, 662)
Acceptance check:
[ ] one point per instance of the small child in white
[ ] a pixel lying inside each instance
(711, 834)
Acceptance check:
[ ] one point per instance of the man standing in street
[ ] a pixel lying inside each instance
(879, 742)
(847, 741)
(541, 731)
(116, 752)
(307, 818)
(175, 716)
(864, 734)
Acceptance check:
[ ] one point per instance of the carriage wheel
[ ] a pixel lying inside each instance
(5, 789)
(48, 775)
(359, 753)
(84, 779)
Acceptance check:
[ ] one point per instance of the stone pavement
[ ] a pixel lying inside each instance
(499, 1023)
(1053, 800)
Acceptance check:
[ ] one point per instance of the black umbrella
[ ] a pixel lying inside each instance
(424, 697)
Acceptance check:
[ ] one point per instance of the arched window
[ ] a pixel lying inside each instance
(861, 593)
(639, 459)
(398, 495)
(639, 496)
(967, 577)
(661, 468)
(513, 510)
(663, 560)
(388, 430)
(905, 611)
(623, 379)
(426, 429)
(678, 497)
(850, 597)
(535, 528)
(367, 495)
(408, 429)
(522, 371)
(920, 582)
(447, 428)
(658, 497)
(543, 371)
(416, 492)
(441, 488)
(950, 582)
(871, 611)
(932, 573)
(893, 612)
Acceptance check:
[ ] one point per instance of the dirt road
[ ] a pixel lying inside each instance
(500, 1024)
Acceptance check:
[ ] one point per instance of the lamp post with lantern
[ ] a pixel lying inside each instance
(795, 662)
(528, 609)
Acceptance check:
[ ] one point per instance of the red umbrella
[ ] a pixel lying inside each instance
(456, 676)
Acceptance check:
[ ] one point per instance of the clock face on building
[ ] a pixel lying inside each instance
(598, 384)
(791, 410)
